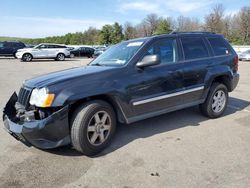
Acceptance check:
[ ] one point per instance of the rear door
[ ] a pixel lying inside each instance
(158, 87)
(52, 50)
(196, 61)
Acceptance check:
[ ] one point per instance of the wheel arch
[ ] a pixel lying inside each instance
(28, 53)
(60, 53)
(104, 97)
(223, 79)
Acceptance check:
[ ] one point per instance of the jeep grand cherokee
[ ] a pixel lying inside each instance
(131, 81)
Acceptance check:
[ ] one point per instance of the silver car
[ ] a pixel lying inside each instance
(244, 55)
(44, 51)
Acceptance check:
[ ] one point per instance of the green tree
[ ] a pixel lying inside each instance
(105, 34)
(163, 27)
(117, 35)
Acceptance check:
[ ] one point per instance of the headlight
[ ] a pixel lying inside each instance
(41, 98)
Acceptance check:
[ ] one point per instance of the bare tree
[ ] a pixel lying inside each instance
(214, 20)
(129, 31)
(187, 24)
(244, 23)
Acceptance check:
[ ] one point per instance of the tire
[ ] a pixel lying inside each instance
(27, 57)
(60, 57)
(216, 102)
(88, 135)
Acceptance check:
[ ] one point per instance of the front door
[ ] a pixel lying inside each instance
(40, 52)
(158, 87)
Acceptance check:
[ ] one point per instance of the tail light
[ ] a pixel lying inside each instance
(236, 63)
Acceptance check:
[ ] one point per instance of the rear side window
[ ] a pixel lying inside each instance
(218, 46)
(58, 46)
(1, 45)
(7, 44)
(16, 45)
(194, 48)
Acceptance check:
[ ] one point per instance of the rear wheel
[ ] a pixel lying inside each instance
(92, 127)
(216, 101)
(27, 57)
(60, 57)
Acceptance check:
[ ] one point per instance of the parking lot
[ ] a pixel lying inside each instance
(179, 149)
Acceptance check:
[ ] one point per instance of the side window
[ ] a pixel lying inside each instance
(57, 46)
(16, 45)
(218, 45)
(43, 46)
(194, 48)
(7, 45)
(1, 44)
(166, 49)
(12, 44)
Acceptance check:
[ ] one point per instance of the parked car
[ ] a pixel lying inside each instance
(244, 56)
(44, 51)
(131, 81)
(99, 51)
(83, 52)
(10, 48)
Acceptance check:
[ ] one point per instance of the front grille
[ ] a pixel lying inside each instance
(24, 96)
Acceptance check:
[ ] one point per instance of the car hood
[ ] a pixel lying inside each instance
(65, 75)
(25, 49)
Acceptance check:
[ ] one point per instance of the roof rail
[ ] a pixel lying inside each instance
(192, 32)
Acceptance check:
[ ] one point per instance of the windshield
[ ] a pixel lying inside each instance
(118, 55)
(37, 46)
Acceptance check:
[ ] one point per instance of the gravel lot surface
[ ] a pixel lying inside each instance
(179, 149)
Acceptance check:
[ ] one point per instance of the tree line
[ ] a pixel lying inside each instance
(236, 28)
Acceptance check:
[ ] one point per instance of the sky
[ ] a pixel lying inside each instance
(41, 18)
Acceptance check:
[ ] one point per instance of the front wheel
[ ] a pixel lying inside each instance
(92, 127)
(27, 57)
(216, 102)
(60, 57)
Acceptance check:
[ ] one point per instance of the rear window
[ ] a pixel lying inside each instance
(16, 45)
(194, 48)
(218, 46)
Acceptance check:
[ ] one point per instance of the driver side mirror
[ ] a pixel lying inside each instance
(149, 60)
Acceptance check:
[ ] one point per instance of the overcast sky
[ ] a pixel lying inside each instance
(41, 18)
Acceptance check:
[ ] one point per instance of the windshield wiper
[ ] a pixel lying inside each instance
(96, 64)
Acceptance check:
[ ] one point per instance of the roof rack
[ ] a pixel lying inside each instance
(191, 32)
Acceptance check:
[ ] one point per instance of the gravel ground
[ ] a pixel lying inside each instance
(179, 149)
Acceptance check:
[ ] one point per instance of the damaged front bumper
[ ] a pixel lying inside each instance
(50, 132)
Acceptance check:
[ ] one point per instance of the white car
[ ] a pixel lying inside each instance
(44, 51)
(244, 55)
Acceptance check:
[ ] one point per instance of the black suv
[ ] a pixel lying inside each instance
(82, 52)
(131, 81)
(10, 48)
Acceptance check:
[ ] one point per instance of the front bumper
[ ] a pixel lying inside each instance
(19, 55)
(50, 132)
